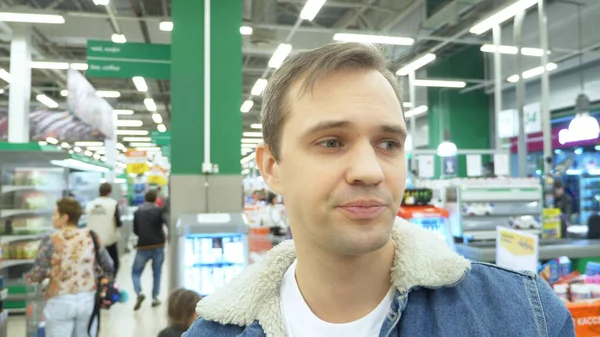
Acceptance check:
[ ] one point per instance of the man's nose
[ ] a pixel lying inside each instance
(364, 167)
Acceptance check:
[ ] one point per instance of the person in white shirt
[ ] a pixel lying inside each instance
(273, 216)
(103, 218)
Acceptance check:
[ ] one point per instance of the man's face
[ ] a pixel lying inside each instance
(342, 164)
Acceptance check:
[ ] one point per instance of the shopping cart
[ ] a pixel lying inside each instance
(35, 303)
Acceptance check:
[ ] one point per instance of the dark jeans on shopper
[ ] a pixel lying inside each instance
(114, 254)
(157, 255)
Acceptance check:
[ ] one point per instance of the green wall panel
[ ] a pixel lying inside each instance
(466, 115)
(187, 87)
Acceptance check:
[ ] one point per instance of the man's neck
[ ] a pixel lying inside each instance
(342, 289)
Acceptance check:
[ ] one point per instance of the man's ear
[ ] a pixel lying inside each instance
(269, 168)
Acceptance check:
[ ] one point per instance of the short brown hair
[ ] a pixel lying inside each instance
(150, 196)
(182, 306)
(105, 189)
(70, 207)
(309, 67)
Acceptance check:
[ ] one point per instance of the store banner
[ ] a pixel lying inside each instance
(508, 121)
(449, 166)
(516, 249)
(87, 106)
(474, 167)
(126, 60)
(137, 162)
(501, 165)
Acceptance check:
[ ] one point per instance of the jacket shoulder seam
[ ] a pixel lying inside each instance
(523, 273)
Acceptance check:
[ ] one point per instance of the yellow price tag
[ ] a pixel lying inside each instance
(137, 168)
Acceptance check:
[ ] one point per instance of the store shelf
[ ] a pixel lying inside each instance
(495, 216)
(218, 264)
(16, 188)
(6, 213)
(17, 311)
(11, 263)
(14, 238)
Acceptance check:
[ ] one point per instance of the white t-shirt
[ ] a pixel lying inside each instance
(300, 320)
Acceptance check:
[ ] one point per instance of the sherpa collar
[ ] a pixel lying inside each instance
(422, 259)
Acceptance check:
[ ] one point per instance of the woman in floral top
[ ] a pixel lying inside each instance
(67, 258)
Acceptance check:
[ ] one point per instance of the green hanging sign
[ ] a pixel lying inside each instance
(126, 60)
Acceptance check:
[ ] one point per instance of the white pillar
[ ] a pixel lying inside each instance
(413, 118)
(497, 33)
(110, 145)
(545, 95)
(20, 84)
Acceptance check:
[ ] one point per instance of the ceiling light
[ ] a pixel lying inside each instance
(52, 140)
(136, 139)
(96, 156)
(311, 8)
(259, 87)
(532, 72)
(118, 38)
(150, 105)
(103, 158)
(86, 144)
(416, 64)
(64, 93)
(121, 146)
(252, 140)
(501, 16)
(447, 149)
(140, 83)
(148, 149)
(101, 2)
(282, 51)
(407, 104)
(65, 145)
(79, 66)
(123, 112)
(49, 65)
(77, 149)
(108, 93)
(252, 134)
(380, 39)
(132, 132)
(142, 144)
(256, 126)
(96, 148)
(31, 18)
(249, 145)
(440, 83)
(490, 48)
(47, 101)
(129, 123)
(42, 143)
(166, 26)
(246, 106)
(161, 128)
(88, 153)
(416, 111)
(246, 30)
(1, 91)
(5, 75)
(539, 52)
(157, 118)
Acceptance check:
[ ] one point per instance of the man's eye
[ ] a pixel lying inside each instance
(389, 145)
(331, 143)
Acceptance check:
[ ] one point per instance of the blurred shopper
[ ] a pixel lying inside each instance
(273, 215)
(334, 134)
(159, 197)
(104, 219)
(67, 259)
(181, 312)
(148, 224)
(563, 201)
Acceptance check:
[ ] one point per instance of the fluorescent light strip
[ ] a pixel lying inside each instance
(49, 65)
(150, 104)
(490, 48)
(252, 140)
(79, 66)
(532, 72)
(259, 87)
(123, 112)
(142, 144)
(440, 83)
(148, 149)
(96, 148)
(87, 144)
(407, 104)
(101, 2)
(140, 83)
(64, 93)
(157, 118)
(282, 51)
(5, 75)
(379, 39)
(246, 30)
(416, 111)
(166, 26)
(52, 140)
(132, 132)
(416, 64)
(108, 93)
(137, 139)
(501, 16)
(252, 134)
(47, 101)
(310, 9)
(79, 165)
(118, 38)
(31, 18)
(246, 106)
(161, 128)
(256, 126)
(129, 123)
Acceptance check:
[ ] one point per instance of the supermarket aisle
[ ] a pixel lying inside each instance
(121, 320)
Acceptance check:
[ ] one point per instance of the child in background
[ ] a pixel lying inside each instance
(181, 311)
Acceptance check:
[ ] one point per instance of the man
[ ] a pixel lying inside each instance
(148, 222)
(103, 218)
(563, 201)
(334, 133)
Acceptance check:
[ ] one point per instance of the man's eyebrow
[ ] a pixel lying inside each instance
(327, 125)
(398, 130)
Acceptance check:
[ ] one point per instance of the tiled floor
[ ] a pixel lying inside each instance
(121, 320)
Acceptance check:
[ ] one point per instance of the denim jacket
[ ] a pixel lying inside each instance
(438, 293)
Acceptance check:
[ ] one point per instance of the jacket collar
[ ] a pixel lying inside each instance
(421, 259)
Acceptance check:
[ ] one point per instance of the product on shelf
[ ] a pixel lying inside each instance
(28, 226)
(478, 208)
(20, 250)
(417, 196)
(524, 222)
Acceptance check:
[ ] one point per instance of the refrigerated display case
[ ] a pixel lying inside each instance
(211, 249)
(430, 218)
(589, 197)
